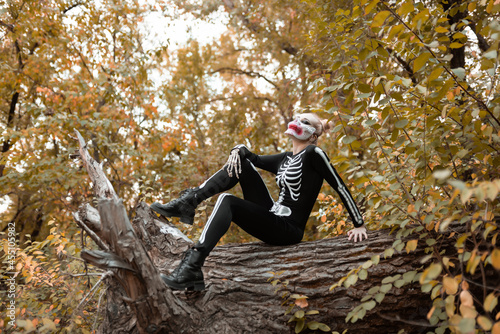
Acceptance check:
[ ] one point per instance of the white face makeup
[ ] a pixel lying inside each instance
(300, 128)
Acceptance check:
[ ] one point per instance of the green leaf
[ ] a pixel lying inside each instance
(491, 54)
(369, 305)
(299, 314)
(406, 82)
(457, 184)
(379, 297)
(401, 123)
(385, 288)
(431, 273)
(390, 279)
(409, 276)
(367, 264)
(324, 328)
(313, 325)
(362, 274)
(351, 280)
(459, 72)
(300, 325)
(441, 174)
(399, 283)
(348, 139)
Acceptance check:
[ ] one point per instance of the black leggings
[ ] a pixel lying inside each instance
(251, 214)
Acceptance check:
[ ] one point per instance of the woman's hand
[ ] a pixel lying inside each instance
(357, 232)
(234, 163)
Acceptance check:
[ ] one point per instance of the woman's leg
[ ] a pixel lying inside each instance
(254, 189)
(254, 218)
(251, 214)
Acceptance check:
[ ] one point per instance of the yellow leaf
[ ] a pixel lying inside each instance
(411, 245)
(490, 302)
(435, 74)
(406, 8)
(441, 29)
(370, 6)
(48, 325)
(429, 315)
(484, 322)
(26, 325)
(468, 311)
(450, 306)
(379, 19)
(420, 61)
(495, 258)
(456, 45)
(450, 285)
(489, 7)
(430, 273)
(496, 328)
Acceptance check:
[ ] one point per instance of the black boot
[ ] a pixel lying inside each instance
(183, 207)
(188, 274)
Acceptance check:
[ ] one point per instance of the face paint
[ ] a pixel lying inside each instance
(300, 130)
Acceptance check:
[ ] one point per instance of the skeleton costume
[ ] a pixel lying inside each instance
(282, 222)
(299, 178)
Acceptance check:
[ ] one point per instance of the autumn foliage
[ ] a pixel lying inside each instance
(412, 87)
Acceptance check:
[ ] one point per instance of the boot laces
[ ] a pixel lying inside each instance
(181, 265)
(183, 197)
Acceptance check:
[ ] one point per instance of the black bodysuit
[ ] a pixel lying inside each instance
(299, 178)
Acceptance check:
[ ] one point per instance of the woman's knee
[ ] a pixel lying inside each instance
(225, 201)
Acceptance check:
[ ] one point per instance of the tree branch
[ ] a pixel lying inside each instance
(249, 73)
(405, 64)
(102, 186)
(480, 103)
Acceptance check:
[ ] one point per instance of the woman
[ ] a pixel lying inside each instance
(299, 175)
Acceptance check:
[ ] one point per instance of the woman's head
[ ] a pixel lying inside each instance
(308, 127)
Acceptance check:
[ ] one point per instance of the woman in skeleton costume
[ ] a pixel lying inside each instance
(299, 175)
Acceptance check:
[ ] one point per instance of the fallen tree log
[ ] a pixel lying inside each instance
(249, 286)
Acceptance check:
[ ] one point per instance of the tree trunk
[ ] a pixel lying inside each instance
(241, 294)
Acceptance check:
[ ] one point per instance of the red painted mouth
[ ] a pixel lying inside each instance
(295, 128)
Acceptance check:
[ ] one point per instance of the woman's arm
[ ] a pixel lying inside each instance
(325, 168)
(269, 163)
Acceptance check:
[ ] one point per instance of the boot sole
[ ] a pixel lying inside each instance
(196, 285)
(185, 219)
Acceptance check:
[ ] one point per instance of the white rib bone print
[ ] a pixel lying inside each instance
(289, 177)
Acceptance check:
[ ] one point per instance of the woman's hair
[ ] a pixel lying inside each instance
(326, 125)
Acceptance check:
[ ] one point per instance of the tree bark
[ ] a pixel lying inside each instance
(240, 297)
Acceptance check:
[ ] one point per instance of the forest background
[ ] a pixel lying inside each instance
(412, 87)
